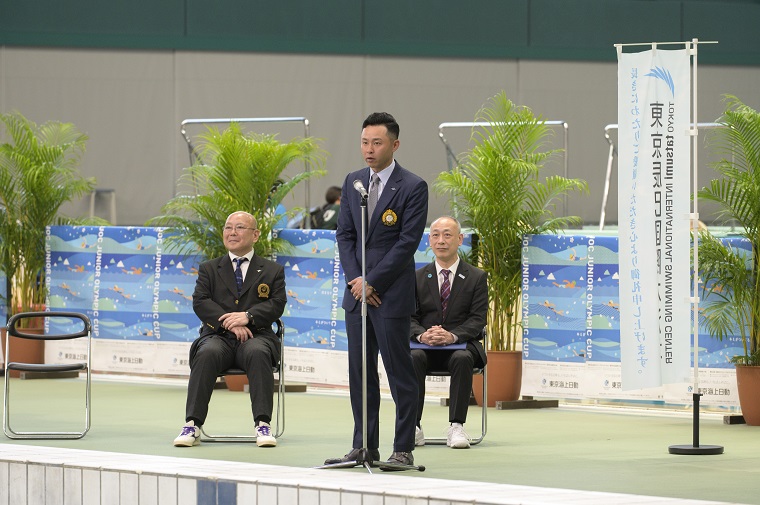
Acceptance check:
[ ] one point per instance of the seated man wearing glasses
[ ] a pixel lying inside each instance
(237, 297)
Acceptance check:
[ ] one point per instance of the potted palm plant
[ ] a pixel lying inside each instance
(498, 191)
(731, 277)
(38, 174)
(243, 172)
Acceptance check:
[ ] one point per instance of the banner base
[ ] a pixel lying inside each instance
(695, 450)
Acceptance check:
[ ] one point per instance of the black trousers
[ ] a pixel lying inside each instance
(459, 363)
(389, 337)
(214, 354)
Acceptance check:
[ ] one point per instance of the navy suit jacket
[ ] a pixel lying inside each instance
(393, 232)
(467, 309)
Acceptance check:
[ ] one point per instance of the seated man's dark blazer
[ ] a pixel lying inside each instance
(263, 295)
(467, 309)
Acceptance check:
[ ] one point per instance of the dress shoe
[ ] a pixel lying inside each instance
(397, 458)
(353, 455)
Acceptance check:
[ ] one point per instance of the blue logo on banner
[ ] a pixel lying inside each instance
(661, 73)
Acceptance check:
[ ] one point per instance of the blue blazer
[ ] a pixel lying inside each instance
(393, 234)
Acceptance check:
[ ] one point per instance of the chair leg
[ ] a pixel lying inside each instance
(45, 435)
(483, 419)
(279, 422)
(279, 428)
(280, 409)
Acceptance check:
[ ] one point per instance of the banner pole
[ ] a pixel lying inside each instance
(695, 448)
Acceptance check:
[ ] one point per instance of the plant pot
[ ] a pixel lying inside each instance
(504, 378)
(24, 350)
(236, 382)
(748, 386)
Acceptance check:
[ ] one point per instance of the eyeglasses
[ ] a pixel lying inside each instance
(238, 228)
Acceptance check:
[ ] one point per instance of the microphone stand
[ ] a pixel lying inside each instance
(363, 459)
(364, 456)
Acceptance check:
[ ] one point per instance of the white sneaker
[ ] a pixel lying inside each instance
(419, 436)
(457, 438)
(189, 436)
(264, 436)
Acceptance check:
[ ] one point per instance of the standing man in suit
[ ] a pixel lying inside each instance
(452, 306)
(237, 297)
(397, 213)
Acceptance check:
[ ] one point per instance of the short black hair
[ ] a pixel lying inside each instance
(332, 194)
(385, 119)
(277, 183)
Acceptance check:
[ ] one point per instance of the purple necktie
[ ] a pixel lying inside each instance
(239, 273)
(445, 291)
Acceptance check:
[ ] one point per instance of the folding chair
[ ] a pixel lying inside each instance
(473, 441)
(278, 369)
(484, 412)
(48, 368)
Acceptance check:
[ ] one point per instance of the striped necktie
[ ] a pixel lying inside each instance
(445, 291)
(239, 273)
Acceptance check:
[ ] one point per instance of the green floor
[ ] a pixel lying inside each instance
(568, 447)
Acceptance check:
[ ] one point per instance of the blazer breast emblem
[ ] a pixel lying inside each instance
(389, 218)
(263, 291)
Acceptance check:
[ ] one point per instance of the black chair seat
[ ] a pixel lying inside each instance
(39, 367)
(234, 371)
(240, 371)
(445, 373)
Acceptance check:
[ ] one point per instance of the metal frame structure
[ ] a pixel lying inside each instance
(47, 368)
(611, 158)
(194, 157)
(484, 414)
(279, 428)
(451, 156)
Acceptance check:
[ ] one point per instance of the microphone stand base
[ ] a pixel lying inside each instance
(363, 459)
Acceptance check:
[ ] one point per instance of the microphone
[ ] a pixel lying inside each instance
(358, 186)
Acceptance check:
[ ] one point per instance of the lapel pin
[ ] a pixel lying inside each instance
(430, 276)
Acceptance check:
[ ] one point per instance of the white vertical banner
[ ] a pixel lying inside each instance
(654, 90)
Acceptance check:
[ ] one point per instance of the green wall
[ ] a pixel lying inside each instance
(528, 29)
